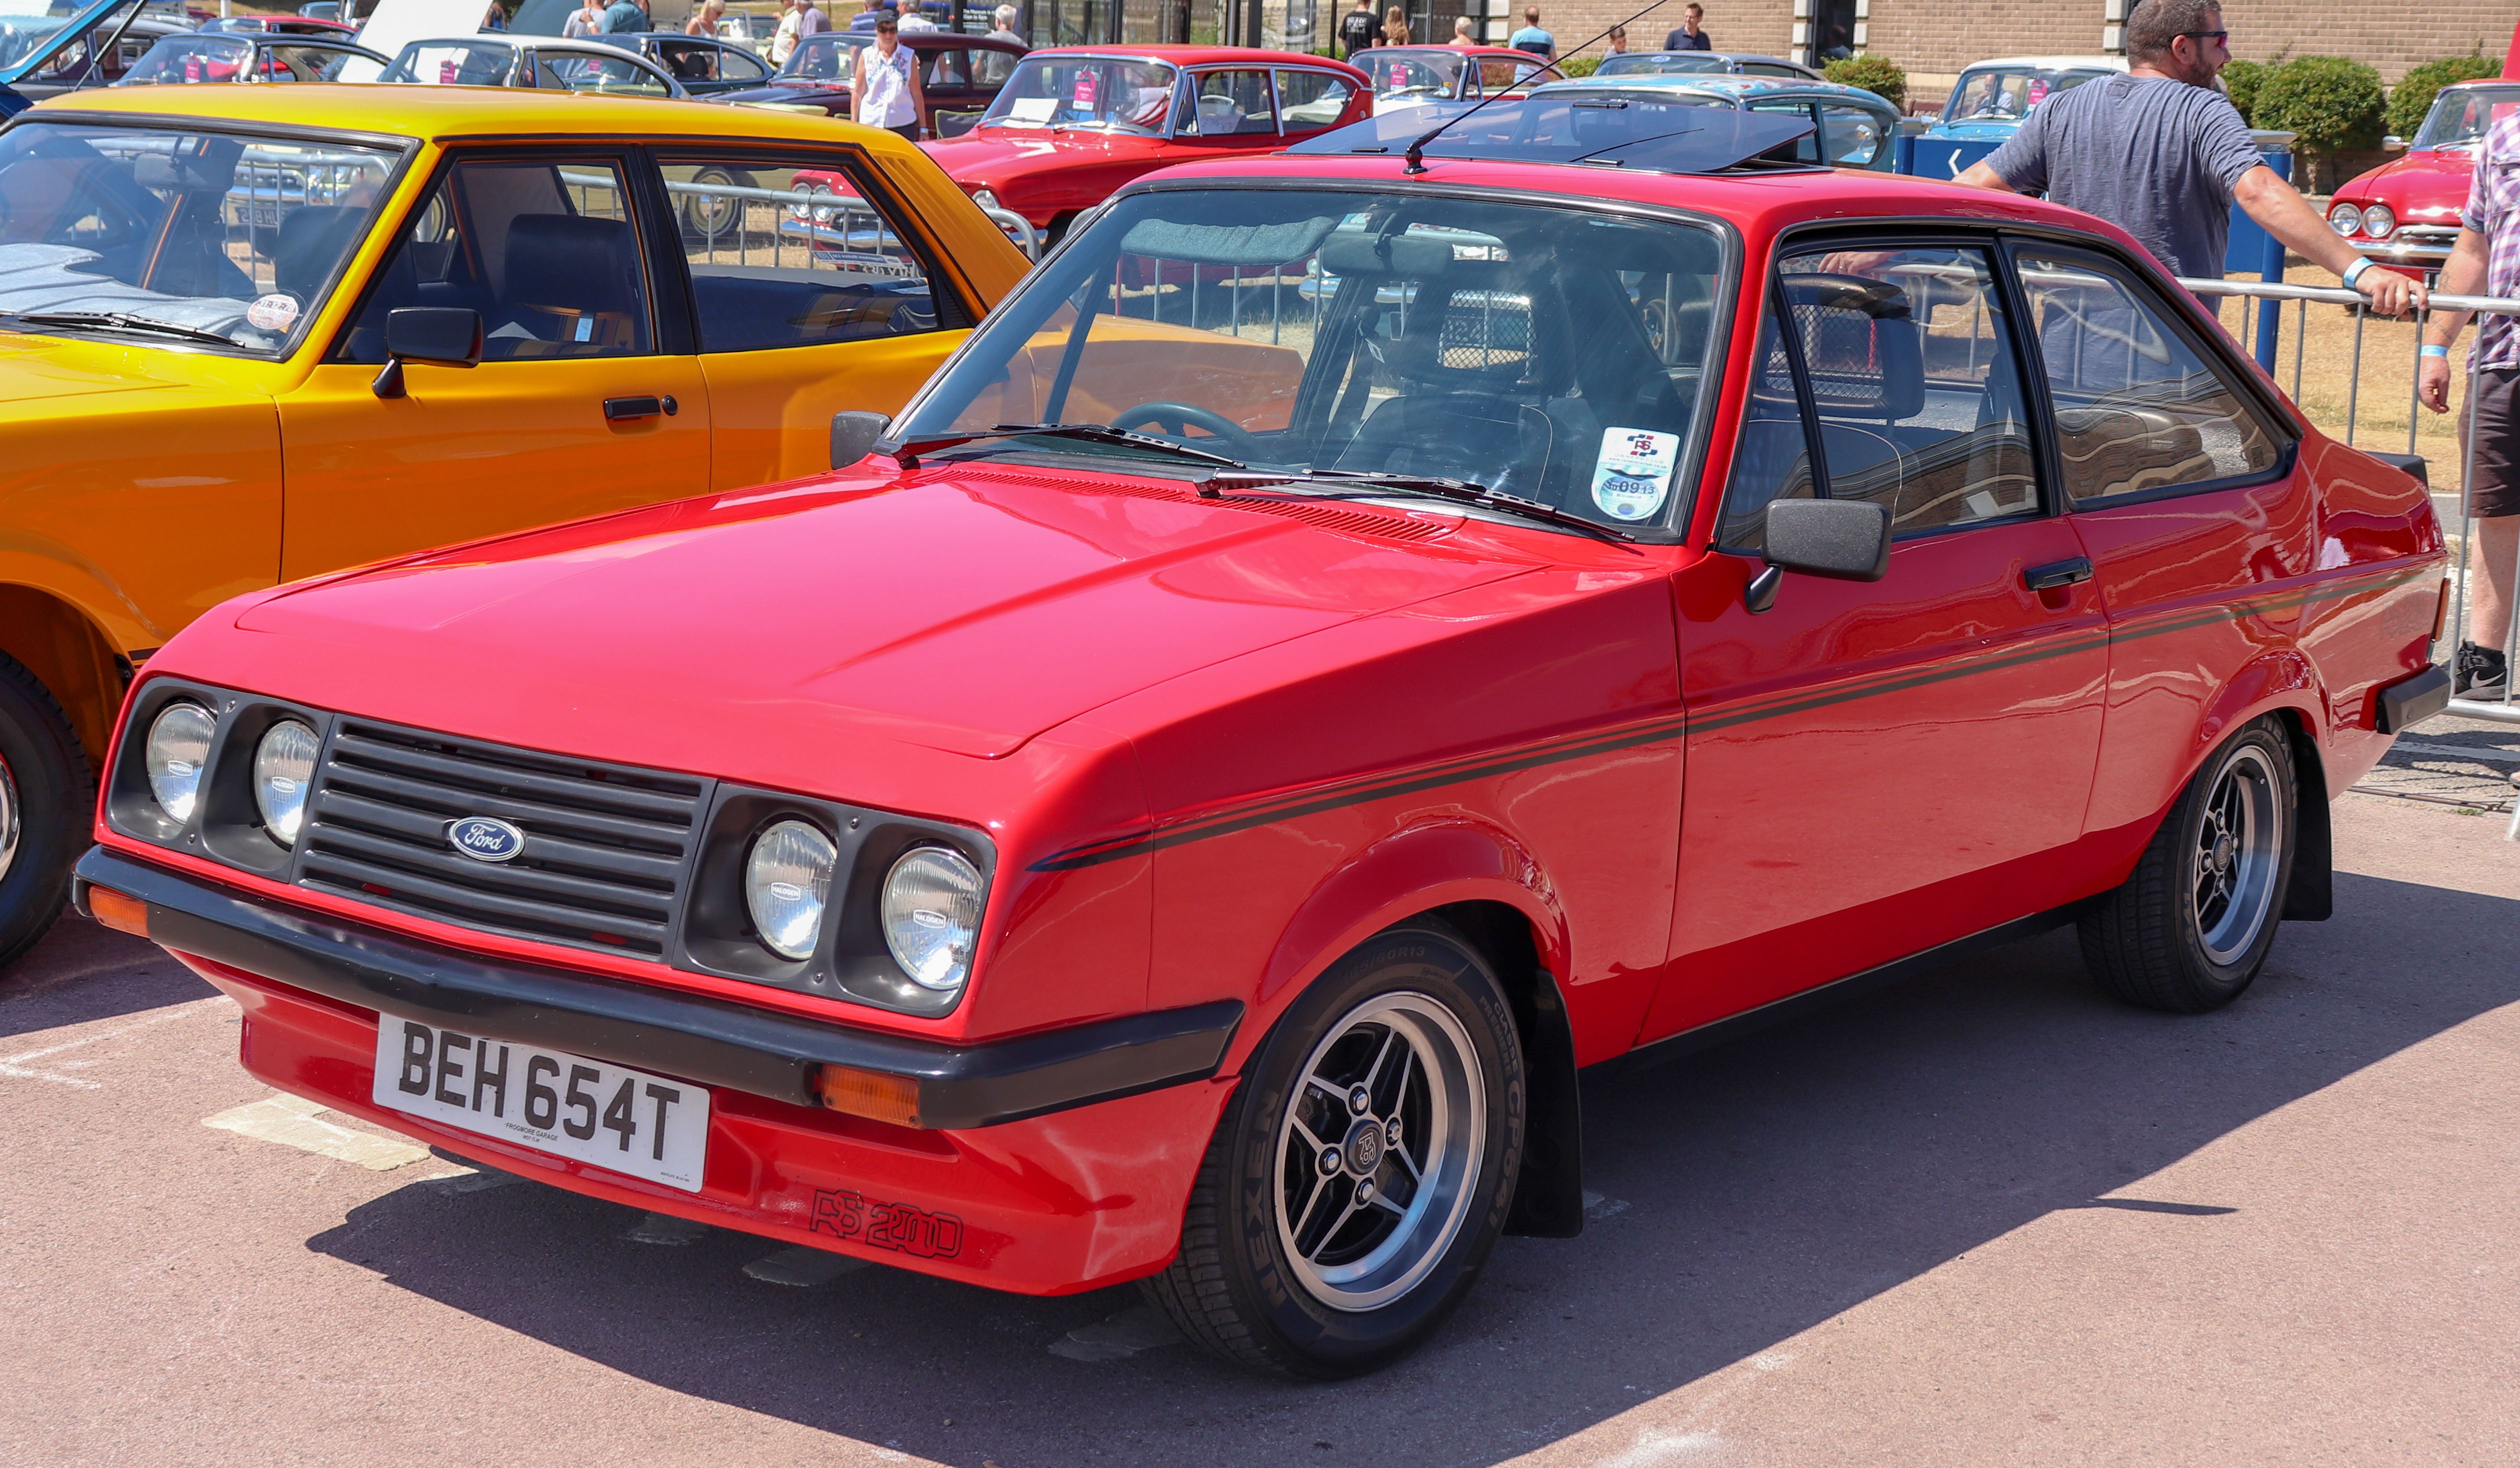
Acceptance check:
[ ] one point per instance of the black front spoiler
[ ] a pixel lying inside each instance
(718, 1042)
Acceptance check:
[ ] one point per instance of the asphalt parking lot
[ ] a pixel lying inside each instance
(1987, 1217)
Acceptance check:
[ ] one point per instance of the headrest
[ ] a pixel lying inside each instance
(573, 263)
(311, 241)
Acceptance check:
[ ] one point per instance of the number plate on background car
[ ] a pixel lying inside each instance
(586, 1110)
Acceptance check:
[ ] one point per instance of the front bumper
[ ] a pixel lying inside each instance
(1065, 1157)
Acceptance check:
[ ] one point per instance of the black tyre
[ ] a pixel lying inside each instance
(2192, 925)
(47, 797)
(1364, 1168)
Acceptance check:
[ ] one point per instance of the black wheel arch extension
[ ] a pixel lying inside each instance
(1549, 1195)
(2311, 896)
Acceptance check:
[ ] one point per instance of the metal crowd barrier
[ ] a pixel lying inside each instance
(2265, 297)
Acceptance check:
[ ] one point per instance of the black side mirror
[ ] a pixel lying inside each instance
(441, 335)
(1847, 540)
(853, 437)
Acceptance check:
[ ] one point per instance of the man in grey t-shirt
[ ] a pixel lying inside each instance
(2161, 154)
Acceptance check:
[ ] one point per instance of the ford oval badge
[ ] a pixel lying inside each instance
(484, 839)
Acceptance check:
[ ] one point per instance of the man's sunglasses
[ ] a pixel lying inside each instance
(2223, 36)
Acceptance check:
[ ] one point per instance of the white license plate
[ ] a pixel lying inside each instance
(619, 1119)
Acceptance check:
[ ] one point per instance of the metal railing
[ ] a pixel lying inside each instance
(2261, 297)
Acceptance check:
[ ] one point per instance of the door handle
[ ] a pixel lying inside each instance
(621, 409)
(2056, 573)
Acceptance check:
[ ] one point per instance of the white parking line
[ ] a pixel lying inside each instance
(294, 1121)
(13, 1067)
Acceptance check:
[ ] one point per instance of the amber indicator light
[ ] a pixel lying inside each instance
(870, 1093)
(124, 914)
(2440, 609)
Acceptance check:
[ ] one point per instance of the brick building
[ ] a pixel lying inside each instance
(1933, 39)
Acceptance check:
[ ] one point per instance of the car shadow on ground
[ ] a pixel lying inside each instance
(83, 972)
(1750, 1192)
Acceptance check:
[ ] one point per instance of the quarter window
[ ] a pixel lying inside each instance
(2138, 408)
(790, 253)
(1914, 391)
(544, 249)
(1308, 101)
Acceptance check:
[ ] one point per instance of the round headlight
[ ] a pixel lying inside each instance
(786, 883)
(284, 765)
(2379, 220)
(179, 742)
(984, 199)
(931, 917)
(2345, 218)
(801, 207)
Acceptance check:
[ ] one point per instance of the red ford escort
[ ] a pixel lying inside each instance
(1185, 806)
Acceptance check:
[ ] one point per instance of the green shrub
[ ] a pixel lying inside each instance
(2330, 105)
(1877, 75)
(2413, 96)
(2243, 79)
(1578, 65)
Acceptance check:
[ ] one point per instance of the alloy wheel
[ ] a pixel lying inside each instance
(1380, 1149)
(2240, 845)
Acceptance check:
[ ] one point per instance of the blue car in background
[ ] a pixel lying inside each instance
(1991, 98)
(1852, 127)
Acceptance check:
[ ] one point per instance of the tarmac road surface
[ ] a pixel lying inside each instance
(1986, 1217)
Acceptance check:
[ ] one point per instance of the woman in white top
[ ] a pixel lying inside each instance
(884, 83)
(585, 20)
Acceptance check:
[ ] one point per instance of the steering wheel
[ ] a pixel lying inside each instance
(1175, 420)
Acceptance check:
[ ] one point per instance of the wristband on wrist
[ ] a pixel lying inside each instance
(2353, 272)
(2430, 351)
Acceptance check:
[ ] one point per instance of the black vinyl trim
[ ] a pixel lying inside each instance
(715, 1042)
(2412, 699)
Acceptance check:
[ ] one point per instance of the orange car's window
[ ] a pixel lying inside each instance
(2138, 408)
(544, 249)
(790, 252)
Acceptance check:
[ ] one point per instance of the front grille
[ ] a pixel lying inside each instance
(605, 851)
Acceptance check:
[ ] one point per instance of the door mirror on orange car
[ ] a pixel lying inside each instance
(853, 437)
(440, 336)
(1847, 540)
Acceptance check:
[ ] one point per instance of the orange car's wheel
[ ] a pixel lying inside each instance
(46, 797)
(1364, 1168)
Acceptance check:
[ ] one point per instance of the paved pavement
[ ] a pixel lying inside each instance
(1983, 1218)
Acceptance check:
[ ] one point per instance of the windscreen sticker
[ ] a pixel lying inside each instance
(1033, 108)
(1084, 91)
(272, 313)
(1633, 477)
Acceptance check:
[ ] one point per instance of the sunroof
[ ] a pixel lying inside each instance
(1678, 134)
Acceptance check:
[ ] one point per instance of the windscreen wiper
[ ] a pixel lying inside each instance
(122, 320)
(1461, 491)
(907, 451)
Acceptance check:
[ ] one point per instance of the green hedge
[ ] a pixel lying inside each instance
(2242, 80)
(2330, 105)
(1877, 75)
(2413, 96)
(1580, 66)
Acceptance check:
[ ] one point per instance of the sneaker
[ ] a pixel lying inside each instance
(2481, 673)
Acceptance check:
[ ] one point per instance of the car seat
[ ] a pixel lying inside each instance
(312, 239)
(573, 288)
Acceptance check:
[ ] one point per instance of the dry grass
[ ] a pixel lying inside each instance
(2327, 375)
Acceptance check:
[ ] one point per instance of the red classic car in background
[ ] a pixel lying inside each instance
(1075, 124)
(1184, 807)
(2406, 212)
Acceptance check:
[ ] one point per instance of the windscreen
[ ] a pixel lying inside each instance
(191, 59)
(454, 64)
(1553, 353)
(219, 239)
(1652, 63)
(1997, 94)
(2460, 116)
(1414, 75)
(1084, 91)
(823, 58)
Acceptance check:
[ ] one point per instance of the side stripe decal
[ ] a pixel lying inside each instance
(1226, 819)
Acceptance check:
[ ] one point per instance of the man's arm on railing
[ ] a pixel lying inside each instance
(2282, 211)
(2463, 274)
